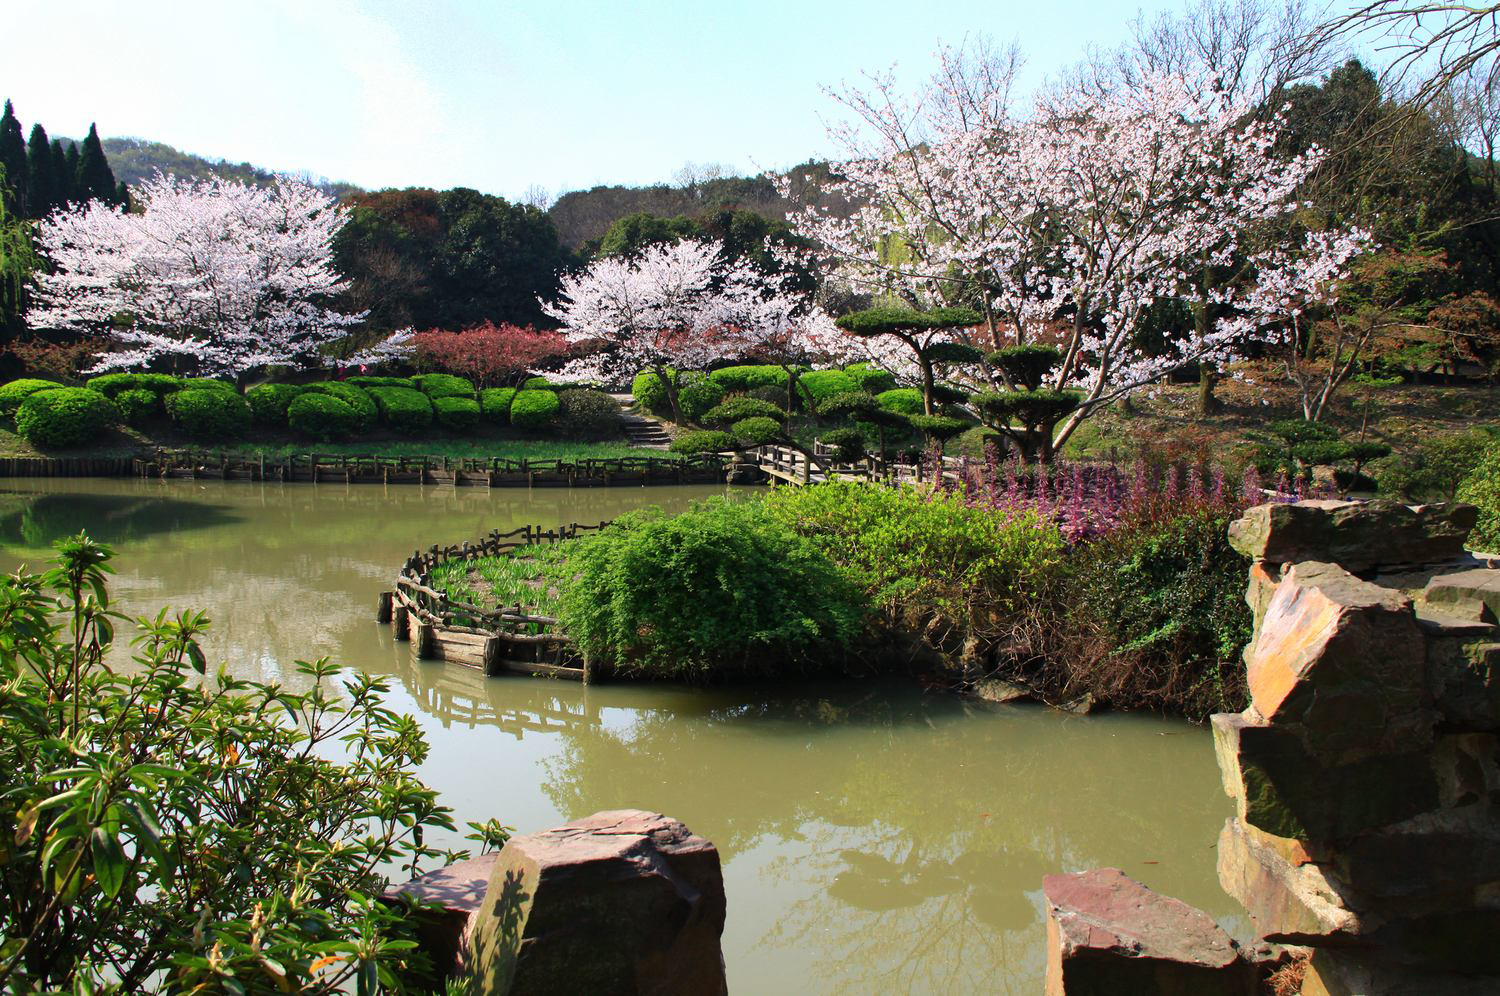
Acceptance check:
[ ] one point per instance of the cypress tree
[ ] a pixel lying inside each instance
(75, 168)
(41, 191)
(122, 195)
(95, 179)
(13, 158)
(62, 176)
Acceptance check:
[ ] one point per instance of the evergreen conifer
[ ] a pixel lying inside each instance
(62, 175)
(13, 159)
(95, 179)
(41, 190)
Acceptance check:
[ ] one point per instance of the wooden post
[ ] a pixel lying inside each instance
(494, 661)
(426, 640)
(401, 623)
(384, 605)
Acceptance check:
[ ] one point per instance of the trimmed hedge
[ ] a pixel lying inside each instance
(816, 385)
(703, 441)
(697, 396)
(208, 413)
(870, 379)
(323, 416)
(906, 400)
(649, 391)
(747, 378)
(17, 391)
(112, 385)
(404, 409)
(736, 409)
(494, 404)
(65, 416)
(756, 431)
(440, 385)
(456, 414)
(533, 409)
(138, 406)
(587, 414)
(538, 384)
(203, 384)
(382, 382)
(268, 402)
(352, 395)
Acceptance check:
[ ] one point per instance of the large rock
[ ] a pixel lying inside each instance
(1463, 677)
(1472, 593)
(1340, 661)
(1355, 535)
(1107, 933)
(1290, 897)
(448, 899)
(620, 902)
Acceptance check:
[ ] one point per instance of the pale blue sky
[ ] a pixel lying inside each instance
(498, 95)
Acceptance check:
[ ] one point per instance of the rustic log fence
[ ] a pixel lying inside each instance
(492, 640)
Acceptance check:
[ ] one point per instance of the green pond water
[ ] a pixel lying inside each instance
(875, 837)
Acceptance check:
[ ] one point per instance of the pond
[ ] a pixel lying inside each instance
(875, 837)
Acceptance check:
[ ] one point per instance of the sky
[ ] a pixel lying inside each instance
(500, 95)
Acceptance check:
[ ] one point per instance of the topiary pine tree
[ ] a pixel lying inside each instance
(1024, 410)
(41, 188)
(13, 160)
(96, 181)
(924, 333)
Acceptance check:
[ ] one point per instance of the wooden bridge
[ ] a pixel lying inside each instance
(786, 465)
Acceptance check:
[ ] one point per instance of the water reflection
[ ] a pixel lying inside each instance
(36, 521)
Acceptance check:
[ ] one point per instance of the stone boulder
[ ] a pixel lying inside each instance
(620, 902)
(448, 899)
(1356, 535)
(1107, 933)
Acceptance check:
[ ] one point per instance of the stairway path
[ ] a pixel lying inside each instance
(642, 431)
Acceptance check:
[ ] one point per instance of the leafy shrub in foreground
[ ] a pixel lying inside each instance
(494, 404)
(17, 391)
(138, 406)
(404, 409)
(352, 395)
(323, 416)
(441, 385)
(704, 441)
(1482, 489)
(534, 409)
(65, 416)
(134, 847)
(747, 378)
(268, 402)
(722, 589)
(587, 414)
(110, 385)
(207, 413)
(456, 414)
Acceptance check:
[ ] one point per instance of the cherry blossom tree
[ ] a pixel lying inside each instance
(212, 276)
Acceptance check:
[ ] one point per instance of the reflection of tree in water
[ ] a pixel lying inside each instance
(36, 521)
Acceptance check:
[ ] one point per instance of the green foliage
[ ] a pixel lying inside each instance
(975, 442)
(938, 426)
(533, 409)
(850, 404)
(200, 384)
(175, 829)
(819, 385)
(650, 391)
(381, 382)
(848, 444)
(1026, 365)
(538, 384)
(1434, 468)
(64, 417)
(268, 402)
(17, 391)
(736, 409)
(441, 385)
(1296, 446)
(404, 409)
(494, 403)
(870, 379)
(949, 394)
(756, 431)
(906, 400)
(704, 441)
(888, 321)
(1481, 488)
(697, 395)
(456, 414)
(952, 352)
(138, 406)
(209, 414)
(746, 378)
(322, 416)
(352, 395)
(1036, 412)
(587, 414)
(723, 589)
(110, 385)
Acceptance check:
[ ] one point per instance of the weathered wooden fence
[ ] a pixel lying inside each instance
(492, 640)
(66, 466)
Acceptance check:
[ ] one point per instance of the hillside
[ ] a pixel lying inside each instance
(135, 159)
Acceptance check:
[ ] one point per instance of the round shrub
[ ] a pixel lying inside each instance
(381, 382)
(538, 384)
(138, 406)
(588, 414)
(773, 395)
(756, 431)
(494, 403)
(64, 416)
(456, 414)
(352, 395)
(736, 409)
(906, 400)
(404, 409)
(747, 378)
(268, 402)
(322, 416)
(704, 441)
(111, 385)
(870, 379)
(208, 413)
(720, 590)
(440, 385)
(816, 385)
(534, 409)
(204, 384)
(1481, 488)
(848, 444)
(696, 395)
(649, 391)
(17, 391)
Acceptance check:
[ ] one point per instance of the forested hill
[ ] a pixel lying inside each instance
(135, 159)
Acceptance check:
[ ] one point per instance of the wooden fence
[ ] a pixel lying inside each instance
(492, 640)
(66, 466)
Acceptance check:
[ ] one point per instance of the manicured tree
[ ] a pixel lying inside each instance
(13, 160)
(41, 187)
(1024, 409)
(95, 179)
(927, 335)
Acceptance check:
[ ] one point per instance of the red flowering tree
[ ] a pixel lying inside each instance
(488, 354)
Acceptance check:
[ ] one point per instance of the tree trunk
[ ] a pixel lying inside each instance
(1208, 379)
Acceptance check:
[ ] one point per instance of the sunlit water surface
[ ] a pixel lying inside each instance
(875, 838)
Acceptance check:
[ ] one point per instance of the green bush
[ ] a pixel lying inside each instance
(906, 400)
(64, 417)
(352, 395)
(818, 385)
(494, 403)
(534, 410)
(17, 391)
(587, 414)
(974, 443)
(113, 384)
(650, 392)
(848, 444)
(404, 409)
(538, 384)
(721, 590)
(736, 409)
(1481, 488)
(268, 402)
(440, 385)
(697, 395)
(382, 382)
(705, 441)
(756, 431)
(870, 379)
(323, 416)
(1434, 469)
(202, 384)
(456, 414)
(138, 406)
(747, 378)
(208, 413)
